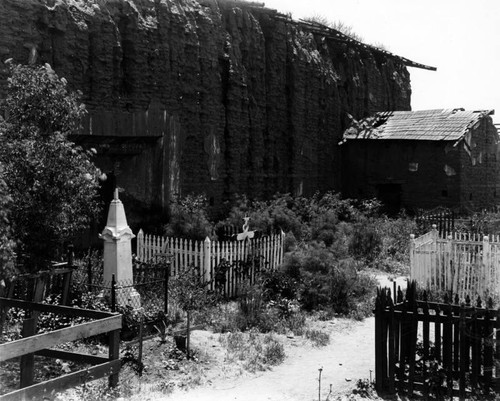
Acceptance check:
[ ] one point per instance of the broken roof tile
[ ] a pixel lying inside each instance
(431, 125)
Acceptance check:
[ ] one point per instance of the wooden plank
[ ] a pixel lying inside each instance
(72, 356)
(46, 340)
(497, 346)
(456, 338)
(463, 350)
(61, 383)
(448, 348)
(413, 336)
(392, 351)
(379, 379)
(66, 288)
(488, 336)
(437, 334)
(403, 332)
(63, 310)
(114, 354)
(425, 330)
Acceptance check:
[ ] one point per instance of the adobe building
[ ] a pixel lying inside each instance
(205, 96)
(423, 159)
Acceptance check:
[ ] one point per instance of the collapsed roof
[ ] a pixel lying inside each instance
(426, 125)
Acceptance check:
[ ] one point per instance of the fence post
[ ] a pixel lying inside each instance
(412, 257)
(434, 264)
(165, 284)
(70, 255)
(483, 283)
(89, 274)
(380, 341)
(28, 360)
(141, 338)
(113, 293)
(114, 353)
(207, 256)
(139, 251)
(282, 247)
(67, 276)
(463, 351)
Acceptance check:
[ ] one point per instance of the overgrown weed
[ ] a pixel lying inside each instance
(318, 337)
(255, 351)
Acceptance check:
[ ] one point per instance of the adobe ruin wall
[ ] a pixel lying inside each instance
(247, 100)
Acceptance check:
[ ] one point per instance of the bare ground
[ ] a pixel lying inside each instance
(349, 356)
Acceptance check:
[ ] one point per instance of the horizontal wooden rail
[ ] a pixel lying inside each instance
(46, 340)
(72, 356)
(61, 383)
(63, 310)
(441, 318)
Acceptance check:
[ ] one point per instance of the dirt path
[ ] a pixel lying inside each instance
(349, 356)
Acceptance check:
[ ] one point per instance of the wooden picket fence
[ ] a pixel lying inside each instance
(460, 263)
(209, 255)
(438, 349)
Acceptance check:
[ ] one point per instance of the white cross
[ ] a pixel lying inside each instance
(245, 234)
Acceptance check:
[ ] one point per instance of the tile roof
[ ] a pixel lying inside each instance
(427, 125)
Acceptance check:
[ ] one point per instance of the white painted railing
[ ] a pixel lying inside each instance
(463, 263)
(207, 255)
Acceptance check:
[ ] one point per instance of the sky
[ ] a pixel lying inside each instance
(459, 37)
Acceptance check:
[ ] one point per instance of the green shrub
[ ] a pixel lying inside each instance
(318, 338)
(189, 218)
(395, 235)
(324, 282)
(274, 352)
(365, 243)
(278, 284)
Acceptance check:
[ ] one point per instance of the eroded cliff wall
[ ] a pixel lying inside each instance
(249, 101)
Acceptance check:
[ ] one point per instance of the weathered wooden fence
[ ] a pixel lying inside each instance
(444, 221)
(215, 258)
(41, 344)
(437, 349)
(461, 263)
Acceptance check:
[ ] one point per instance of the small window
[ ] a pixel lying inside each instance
(444, 193)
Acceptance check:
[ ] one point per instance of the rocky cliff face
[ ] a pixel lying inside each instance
(246, 100)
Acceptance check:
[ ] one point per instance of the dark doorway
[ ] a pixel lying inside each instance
(390, 196)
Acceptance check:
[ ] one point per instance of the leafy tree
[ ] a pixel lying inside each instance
(52, 182)
(6, 245)
(192, 294)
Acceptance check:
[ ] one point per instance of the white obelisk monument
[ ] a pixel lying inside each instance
(117, 237)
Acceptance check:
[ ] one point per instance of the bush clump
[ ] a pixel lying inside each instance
(255, 351)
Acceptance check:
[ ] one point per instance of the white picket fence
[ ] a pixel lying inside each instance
(207, 255)
(466, 264)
